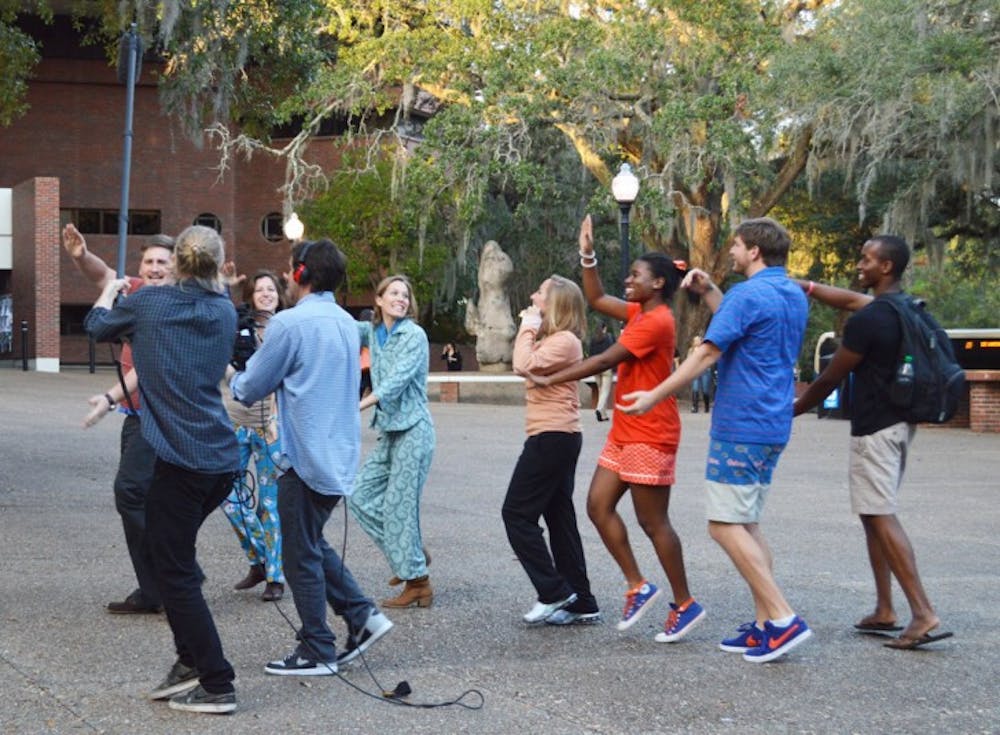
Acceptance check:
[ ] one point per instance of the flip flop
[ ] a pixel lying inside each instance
(910, 644)
(877, 628)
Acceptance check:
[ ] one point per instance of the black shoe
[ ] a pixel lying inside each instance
(198, 700)
(179, 679)
(134, 604)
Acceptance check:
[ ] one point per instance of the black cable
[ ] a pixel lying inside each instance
(402, 689)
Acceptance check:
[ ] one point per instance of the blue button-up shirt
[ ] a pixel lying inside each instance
(182, 340)
(758, 327)
(311, 359)
(399, 374)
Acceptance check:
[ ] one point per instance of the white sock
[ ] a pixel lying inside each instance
(783, 622)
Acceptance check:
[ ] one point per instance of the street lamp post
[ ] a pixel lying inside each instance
(625, 188)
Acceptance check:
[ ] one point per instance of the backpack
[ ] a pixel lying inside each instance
(938, 380)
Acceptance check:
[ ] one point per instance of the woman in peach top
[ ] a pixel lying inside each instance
(549, 340)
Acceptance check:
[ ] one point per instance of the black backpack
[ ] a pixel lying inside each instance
(938, 380)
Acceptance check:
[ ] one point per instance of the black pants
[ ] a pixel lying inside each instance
(178, 502)
(135, 473)
(542, 486)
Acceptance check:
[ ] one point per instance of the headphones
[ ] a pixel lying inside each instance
(301, 272)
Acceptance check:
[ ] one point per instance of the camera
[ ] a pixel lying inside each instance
(245, 343)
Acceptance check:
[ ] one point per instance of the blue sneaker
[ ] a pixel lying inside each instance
(747, 636)
(680, 622)
(778, 641)
(636, 602)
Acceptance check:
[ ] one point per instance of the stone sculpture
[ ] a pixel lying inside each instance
(490, 320)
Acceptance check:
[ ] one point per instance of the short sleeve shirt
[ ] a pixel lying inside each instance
(649, 336)
(874, 333)
(759, 328)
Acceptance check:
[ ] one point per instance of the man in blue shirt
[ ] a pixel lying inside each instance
(311, 360)
(754, 336)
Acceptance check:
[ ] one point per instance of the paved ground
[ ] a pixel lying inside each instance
(67, 667)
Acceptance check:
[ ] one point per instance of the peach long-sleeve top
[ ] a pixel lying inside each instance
(555, 407)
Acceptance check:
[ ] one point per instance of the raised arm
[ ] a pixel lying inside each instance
(593, 289)
(699, 282)
(95, 269)
(838, 298)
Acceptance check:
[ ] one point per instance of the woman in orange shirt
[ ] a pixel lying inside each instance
(641, 451)
(549, 340)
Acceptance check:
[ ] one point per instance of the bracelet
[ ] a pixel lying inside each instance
(588, 263)
(112, 404)
(812, 285)
(588, 256)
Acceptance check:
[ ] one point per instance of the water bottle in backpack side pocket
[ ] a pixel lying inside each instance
(901, 390)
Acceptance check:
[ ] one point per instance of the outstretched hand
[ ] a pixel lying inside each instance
(98, 410)
(73, 241)
(637, 402)
(229, 275)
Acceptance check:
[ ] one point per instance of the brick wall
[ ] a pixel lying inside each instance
(984, 400)
(35, 205)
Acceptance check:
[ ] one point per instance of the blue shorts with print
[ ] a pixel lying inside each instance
(738, 477)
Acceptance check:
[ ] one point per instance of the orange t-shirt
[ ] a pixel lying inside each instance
(649, 337)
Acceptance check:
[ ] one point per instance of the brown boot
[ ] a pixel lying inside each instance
(394, 580)
(254, 577)
(416, 592)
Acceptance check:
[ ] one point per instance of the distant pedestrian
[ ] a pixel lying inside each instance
(601, 341)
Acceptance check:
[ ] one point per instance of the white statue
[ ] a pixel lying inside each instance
(490, 319)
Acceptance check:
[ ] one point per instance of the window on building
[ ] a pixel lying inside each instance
(271, 227)
(105, 221)
(207, 219)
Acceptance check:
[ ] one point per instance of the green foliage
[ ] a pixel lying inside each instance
(18, 57)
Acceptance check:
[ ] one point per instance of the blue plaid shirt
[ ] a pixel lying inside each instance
(182, 340)
(311, 359)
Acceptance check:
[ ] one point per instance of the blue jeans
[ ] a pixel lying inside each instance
(315, 573)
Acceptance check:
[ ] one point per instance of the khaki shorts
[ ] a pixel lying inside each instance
(876, 469)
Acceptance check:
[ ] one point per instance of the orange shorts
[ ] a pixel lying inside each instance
(641, 464)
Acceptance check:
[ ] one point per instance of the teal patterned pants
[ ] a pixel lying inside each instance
(386, 499)
(258, 529)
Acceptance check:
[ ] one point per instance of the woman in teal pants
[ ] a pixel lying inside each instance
(386, 499)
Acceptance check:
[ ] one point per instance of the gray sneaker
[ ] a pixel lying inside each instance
(568, 617)
(376, 626)
(179, 679)
(198, 700)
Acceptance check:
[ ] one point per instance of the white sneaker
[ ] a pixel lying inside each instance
(542, 610)
(296, 665)
(568, 617)
(376, 626)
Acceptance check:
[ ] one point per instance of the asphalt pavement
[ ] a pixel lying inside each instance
(66, 666)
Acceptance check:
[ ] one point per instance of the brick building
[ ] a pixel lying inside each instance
(62, 162)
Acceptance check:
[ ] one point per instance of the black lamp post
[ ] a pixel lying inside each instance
(625, 188)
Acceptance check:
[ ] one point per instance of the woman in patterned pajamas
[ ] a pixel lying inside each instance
(386, 499)
(258, 529)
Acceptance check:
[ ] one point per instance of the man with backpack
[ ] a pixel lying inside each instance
(881, 433)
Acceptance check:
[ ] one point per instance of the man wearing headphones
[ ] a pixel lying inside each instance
(310, 359)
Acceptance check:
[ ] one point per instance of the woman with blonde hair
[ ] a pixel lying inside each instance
(549, 340)
(386, 499)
